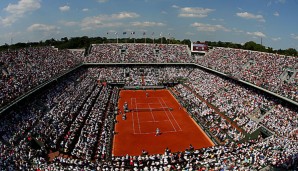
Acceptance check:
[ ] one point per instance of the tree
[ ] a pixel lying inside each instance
(50, 42)
(64, 39)
(220, 44)
(251, 45)
(85, 41)
(291, 52)
(186, 42)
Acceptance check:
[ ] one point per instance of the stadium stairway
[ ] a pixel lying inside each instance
(288, 74)
(188, 52)
(258, 120)
(188, 75)
(292, 78)
(267, 113)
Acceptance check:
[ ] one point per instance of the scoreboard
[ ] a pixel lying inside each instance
(199, 47)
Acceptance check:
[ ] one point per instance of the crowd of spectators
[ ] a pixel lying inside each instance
(251, 155)
(208, 118)
(146, 75)
(68, 121)
(277, 73)
(139, 53)
(154, 75)
(76, 116)
(79, 118)
(235, 101)
(104, 146)
(282, 120)
(17, 147)
(22, 70)
(270, 71)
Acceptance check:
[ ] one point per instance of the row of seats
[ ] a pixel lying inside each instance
(277, 73)
(218, 126)
(252, 155)
(65, 123)
(138, 53)
(72, 113)
(22, 70)
(61, 121)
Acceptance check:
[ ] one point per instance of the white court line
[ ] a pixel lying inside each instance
(163, 132)
(148, 103)
(154, 121)
(146, 108)
(133, 120)
(151, 112)
(138, 116)
(167, 115)
(172, 116)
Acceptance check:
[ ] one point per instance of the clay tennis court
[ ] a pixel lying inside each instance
(147, 113)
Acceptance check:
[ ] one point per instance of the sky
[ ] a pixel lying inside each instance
(239, 21)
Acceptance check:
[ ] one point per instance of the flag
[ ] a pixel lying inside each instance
(116, 33)
(160, 34)
(144, 33)
(124, 32)
(107, 32)
(133, 32)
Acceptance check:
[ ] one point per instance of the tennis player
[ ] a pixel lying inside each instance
(157, 133)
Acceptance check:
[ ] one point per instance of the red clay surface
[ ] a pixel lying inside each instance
(137, 132)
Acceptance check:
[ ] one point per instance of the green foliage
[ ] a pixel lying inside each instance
(85, 42)
(291, 52)
(186, 42)
(4, 47)
(254, 46)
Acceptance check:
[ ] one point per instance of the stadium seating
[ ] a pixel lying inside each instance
(24, 69)
(271, 71)
(138, 53)
(75, 117)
